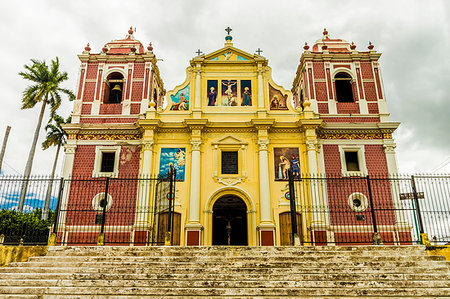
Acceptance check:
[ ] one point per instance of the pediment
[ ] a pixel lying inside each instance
(230, 54)
(230, 140)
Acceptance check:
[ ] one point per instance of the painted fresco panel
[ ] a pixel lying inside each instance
(246, 92)
(277, 99)
(229, 93)
(174, 156)
(180, 101)
(286, 158)
(212, 92)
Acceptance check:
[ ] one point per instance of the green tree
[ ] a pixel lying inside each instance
(56, 136)
(45, 89)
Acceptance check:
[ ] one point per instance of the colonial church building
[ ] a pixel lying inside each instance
(232, 134)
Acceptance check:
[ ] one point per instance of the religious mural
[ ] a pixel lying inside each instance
(277, 99)
(286, 158)
(212, 92)
(246, 92)
(180, 101)
(229, 93)
(175, 157)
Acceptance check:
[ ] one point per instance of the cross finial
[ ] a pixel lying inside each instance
(228, 30)
(198, 52)
(259, 51)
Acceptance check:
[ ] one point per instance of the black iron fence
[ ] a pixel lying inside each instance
(88, 211)
(369, 209)
(140, 211)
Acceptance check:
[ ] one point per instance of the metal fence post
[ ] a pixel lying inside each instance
(52, 238)
(101, 236)
(169, 238)
(423, 237)
(292, 206)
(376, 235)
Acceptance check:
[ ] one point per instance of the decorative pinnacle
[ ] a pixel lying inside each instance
(228, 30)
(150, 47)
(325, 33)
(306, 47)
(353, 46)
(370, 47)
(198, 52)
(87, 48)
(130, 32)
(259, 51)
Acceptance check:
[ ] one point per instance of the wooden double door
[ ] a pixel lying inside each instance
(286, 228)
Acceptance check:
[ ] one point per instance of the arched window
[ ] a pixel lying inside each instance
(343, 85)
(114, 88)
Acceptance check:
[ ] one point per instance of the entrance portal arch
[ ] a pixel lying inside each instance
(229, 224)
(230, 206)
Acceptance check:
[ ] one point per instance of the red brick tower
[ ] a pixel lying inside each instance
(345, 91)
(115, 87)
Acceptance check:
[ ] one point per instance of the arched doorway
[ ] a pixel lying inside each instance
(229, 221)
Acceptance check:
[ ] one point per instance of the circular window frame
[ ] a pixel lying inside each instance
(364, 202)
(98, 198)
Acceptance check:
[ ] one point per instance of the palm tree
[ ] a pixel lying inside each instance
(56, 136)
(46, 89)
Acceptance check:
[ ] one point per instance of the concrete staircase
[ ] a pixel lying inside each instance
(222, 272)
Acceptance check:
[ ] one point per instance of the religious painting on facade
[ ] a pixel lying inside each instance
(286, 158)
(175, 157)
(277, 99)
(229, 93)
(212, 92)
(246, 92)
(180, 101)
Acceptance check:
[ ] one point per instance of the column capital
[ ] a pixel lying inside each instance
(147, 145)
(70, 148)
(263, 143)
(196, 145)
(311, 145)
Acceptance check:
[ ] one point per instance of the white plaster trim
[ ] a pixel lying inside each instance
(361, 160)
(362, 198)
(98, 161)
(98, 198)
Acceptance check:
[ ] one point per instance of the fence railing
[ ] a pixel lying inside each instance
(140, 211)
(369, 209)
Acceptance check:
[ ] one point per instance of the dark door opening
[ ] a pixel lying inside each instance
(229, 221)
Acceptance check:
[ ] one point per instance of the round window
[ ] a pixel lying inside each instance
(99, 202)
(358, 202)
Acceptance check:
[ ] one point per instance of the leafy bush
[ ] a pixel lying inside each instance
(25, 225)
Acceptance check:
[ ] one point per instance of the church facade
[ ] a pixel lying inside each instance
(232, 134)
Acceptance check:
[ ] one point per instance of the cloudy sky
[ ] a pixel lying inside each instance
(414, 37)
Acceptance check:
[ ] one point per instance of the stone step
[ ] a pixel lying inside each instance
(272, 270)
(233, 250)
(228, 277)
(206, 291)
(243, 283)
(230, 264)
(292, 257)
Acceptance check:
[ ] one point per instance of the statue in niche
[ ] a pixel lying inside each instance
(229, 94)
(212, 95)
(246, 97)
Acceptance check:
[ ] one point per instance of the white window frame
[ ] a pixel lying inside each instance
(359, 149)
(99, 150)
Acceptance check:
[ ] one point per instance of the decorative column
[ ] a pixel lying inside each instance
(197, 112)
(389, 149)
(144, 206)
(193, 226)
(266, 225)
(260, 89)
